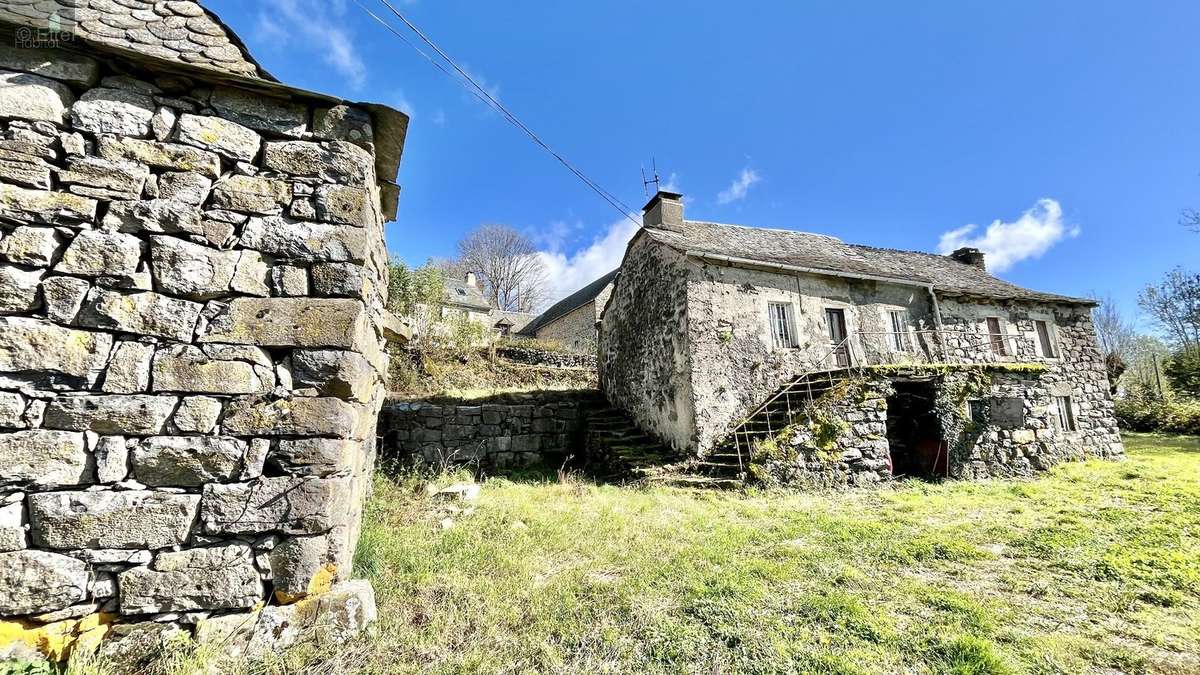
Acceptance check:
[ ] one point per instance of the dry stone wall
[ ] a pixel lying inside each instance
(191, 363)
(503, 432)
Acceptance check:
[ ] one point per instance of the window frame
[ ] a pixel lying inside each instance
(789, 339)
(900, 337)
(996, 340)
(1065, 409)
(980, 417)
(1047, 348)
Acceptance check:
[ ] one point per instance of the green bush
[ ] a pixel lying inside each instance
(1149, 412)
(1183, 372)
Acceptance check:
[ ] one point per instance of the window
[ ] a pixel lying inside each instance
(899, 335)
(1045, 342)
(1007, 412)
(1066, 413)
(977, 411)
(996, 335)
(783, 333)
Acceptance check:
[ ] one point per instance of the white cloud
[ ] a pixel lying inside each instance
(737, 190)
(439, 118)
(314, 24)
(569, 273)
(672, 183)
(401, 103)
(1007, 244)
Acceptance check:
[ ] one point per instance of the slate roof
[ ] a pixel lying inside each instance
(821, 252)
(515, 320)
(176, 30)
(571, 302)
(467, 296)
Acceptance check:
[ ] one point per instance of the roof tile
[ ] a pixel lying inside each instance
(822, 252)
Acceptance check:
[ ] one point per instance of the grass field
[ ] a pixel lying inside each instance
(1093, 568)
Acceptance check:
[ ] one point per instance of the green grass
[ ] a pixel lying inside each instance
(1092, 568)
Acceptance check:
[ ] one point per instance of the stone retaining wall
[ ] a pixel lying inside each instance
(545, 357)
(191, 363)
(509, 431)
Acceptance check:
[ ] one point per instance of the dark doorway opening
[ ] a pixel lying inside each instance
(914, 432)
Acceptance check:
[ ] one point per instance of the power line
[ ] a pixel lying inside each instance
(490, 101)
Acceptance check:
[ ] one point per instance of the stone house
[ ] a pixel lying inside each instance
(464, 299)
(806, 357)
(572, 320)
(192, 292)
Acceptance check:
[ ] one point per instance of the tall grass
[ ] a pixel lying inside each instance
(1094, 567)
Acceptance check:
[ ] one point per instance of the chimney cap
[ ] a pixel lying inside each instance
(661, 195)
(969, 255)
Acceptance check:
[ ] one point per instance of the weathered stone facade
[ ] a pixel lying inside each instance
(687, 347)
(502, 432)
(192, 280)
(571, 322)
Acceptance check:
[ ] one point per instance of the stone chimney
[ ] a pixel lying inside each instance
(664, 211)
(970, 256)
(471, 280)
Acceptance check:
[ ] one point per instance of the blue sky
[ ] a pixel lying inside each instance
(1073, 127)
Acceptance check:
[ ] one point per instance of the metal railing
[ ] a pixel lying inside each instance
(860, 351)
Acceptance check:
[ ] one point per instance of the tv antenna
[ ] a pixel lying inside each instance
(647, 182)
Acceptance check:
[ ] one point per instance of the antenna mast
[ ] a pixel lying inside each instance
(646, 183)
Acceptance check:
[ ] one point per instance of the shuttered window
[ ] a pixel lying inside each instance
(1045, 341)
(899, 335)
(1066, 413)
(996, 333)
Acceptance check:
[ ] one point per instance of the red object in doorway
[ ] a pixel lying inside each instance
(933, 456)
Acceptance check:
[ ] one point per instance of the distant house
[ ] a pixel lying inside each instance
(506, 324)
(464, 298)
(813, 356)
(572, 320)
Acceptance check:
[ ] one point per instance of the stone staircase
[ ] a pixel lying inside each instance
(619, 450)
(780, 410)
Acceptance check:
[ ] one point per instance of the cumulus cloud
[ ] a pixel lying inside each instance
(568, 273)
(317, 24)
(672, 184)
(401, 103)
(1007, 244)
(740, 186)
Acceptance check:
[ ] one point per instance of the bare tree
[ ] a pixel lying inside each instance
(1116, 336)
(512, 274)
(1190, 219)
(1175, 305)
(451, 268)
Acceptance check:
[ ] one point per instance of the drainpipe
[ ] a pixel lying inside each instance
(937, 320)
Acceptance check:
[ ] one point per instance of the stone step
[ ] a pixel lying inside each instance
(695, 482)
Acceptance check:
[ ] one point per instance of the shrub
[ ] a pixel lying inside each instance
(1183, 372)
(1144, 411)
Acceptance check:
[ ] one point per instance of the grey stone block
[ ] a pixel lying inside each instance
(32, 97)
(187, 461)
(44, 458)
(40, 581)
(134, 519)
(110, 414)
(289, 505)
(218, 577)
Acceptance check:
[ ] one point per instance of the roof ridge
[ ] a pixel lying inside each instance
(767, 229)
